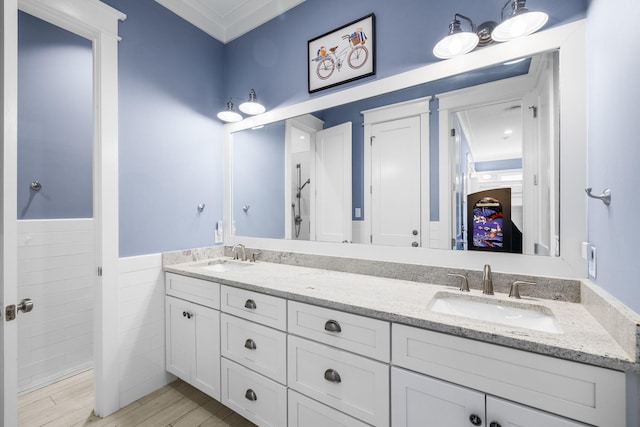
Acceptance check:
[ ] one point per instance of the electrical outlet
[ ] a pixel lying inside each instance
(592, 261)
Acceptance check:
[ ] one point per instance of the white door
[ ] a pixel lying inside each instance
(395, 183)
(331, 206)
(506, 413)
(8, 227)
(419, 400)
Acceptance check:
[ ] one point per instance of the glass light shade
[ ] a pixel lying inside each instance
(252, 106)
(456, 44)
(229, 115)
(519, 25)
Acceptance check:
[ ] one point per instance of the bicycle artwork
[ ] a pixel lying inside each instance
(342, 55)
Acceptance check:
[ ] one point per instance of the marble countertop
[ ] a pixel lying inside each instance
(582, 339)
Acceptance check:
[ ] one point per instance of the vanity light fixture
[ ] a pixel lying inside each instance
(252, 106)
(229, 115)
(520, 22)
(457, 42)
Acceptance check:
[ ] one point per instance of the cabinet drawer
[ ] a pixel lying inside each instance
(255, 346)
(305, 412)
(260, 308)
(345, 381)
(253, 396)
(362, 335)
(199, 291)
(574, 390)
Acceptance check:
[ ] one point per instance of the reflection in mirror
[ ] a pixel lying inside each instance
(476, 152)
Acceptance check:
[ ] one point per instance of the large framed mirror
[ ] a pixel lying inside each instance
(547, 83)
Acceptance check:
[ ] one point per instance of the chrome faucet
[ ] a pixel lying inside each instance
(487, 282)
(235, 253)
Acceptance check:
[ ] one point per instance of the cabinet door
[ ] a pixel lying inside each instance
(418, 400)
(305, 412)
(179, 338)
(205, 369)
(502, 413)
(193, 344)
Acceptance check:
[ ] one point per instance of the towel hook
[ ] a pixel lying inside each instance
(605, 196)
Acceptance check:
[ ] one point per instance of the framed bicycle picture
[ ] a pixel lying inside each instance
(342, 55)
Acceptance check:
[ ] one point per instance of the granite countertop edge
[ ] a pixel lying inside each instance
(578, 348)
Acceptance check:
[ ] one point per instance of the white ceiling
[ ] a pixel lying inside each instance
(226, 20)
(494, 132)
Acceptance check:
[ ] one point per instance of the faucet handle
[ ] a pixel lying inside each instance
(464, 283)
(514, 292)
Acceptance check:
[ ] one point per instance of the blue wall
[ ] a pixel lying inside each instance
(55, 121)
(273, 58)
(614, 147)
(258, 181)
(171, 79)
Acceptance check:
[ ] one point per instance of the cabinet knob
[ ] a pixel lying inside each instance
(332, 375)
(415, 244)
(251, 395)
(475, 420)
(332, 326)
(250, 304)
(494, 424)
(250, 344)
(414, 232)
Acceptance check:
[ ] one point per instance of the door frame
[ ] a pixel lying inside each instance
(307, 123)
(417, 107)
(98, 23)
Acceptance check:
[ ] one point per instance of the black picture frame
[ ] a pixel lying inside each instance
(342, 55)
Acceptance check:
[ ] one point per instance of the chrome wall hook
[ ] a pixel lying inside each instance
(35, 186)
(201, 207)
(605, 196)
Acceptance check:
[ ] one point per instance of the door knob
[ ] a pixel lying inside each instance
(26, 305)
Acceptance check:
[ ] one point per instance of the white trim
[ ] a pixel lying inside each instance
(570, 39)
(99, 23)
(8, 228)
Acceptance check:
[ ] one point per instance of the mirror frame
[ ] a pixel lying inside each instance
(569, 39)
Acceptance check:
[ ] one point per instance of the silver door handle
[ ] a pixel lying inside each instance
(26, 305)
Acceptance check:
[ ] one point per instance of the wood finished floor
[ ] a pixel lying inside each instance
(69, 403)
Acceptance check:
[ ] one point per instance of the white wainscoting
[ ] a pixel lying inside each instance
(56, 270)
(141, 327)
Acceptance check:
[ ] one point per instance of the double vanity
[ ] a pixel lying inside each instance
(292, 345)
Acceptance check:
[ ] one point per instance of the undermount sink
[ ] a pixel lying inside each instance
(508, 313)
(224, 265)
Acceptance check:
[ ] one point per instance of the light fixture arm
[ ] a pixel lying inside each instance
(516, 7)
(456, 21)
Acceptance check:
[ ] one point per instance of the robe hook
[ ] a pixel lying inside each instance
(605, 196)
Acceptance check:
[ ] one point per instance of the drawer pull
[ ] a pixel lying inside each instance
(186, 314)
(475, 420)
(251, 395)
(250, 304)
(332, 326)
(332, 375)
(250, 344)
(494, 424)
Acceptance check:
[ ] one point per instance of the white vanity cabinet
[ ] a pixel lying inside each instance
(192, 332)
(419, 400)
(338, 381)
(455, 374)
(254, 355)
